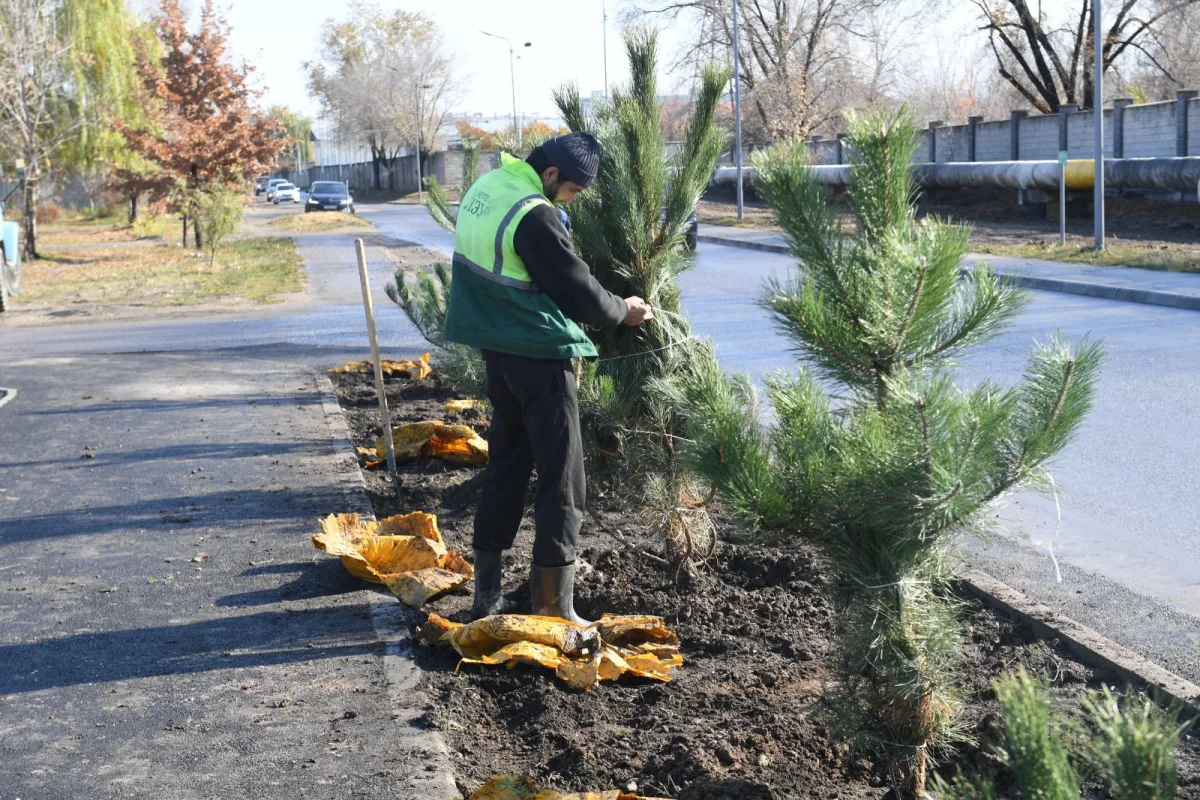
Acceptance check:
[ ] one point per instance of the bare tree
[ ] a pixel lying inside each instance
(377, 70)
(959, 84)
(797, 58)
(1047, 56)
(1168, 61)
(34, 105)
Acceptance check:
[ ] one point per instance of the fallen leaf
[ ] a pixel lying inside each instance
(582, 656)
(199, 558)
(435, 439)
(405, 552)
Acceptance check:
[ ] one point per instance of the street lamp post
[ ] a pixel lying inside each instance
(604, 34)
(512, 77)
(737, 112)
(1098, 109)
(420, 191)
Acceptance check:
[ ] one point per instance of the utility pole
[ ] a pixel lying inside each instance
(1098, 109)
(420, 191)
(604, 35)
(737, 112)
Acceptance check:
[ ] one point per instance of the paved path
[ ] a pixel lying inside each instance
(166, 627)
(1128, 284)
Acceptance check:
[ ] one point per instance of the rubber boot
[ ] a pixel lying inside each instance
(489, 599)
(552, 593)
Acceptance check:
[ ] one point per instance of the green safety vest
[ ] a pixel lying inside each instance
(494, 305)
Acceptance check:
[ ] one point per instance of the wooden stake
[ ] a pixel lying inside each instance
(386, 416)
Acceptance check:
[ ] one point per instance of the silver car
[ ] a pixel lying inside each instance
(286, 191)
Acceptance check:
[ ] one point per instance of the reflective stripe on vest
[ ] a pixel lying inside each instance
(487, 218)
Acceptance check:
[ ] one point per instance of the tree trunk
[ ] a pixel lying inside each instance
(196, 235)
(30, 193)
(183, 241)
(132, 208)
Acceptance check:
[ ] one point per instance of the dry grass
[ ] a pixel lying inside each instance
(256, 270)
(1147, 255)
(317, 221)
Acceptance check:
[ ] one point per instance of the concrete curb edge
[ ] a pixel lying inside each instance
(1090, 646)
(1123, 294)
(387, 618)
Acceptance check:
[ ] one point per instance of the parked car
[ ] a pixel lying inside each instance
(271, 184)
(329, 196)
(260, 184)
(286, 191)
(10, 260)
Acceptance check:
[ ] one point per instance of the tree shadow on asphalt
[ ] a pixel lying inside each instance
(230, 512)
(323, 578)
(227, 643)
(150, 405)
(97, 459)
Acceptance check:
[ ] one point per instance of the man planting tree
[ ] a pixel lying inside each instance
(520, 294)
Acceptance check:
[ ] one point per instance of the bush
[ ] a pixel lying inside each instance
(149, 225)
(219, 211)
(48, 213)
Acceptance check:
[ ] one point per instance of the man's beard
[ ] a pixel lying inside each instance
(551, 189)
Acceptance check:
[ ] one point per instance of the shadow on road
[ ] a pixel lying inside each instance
(227, 643)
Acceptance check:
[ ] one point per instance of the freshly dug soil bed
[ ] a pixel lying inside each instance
(744, 718)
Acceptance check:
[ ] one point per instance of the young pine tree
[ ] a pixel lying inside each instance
(907, 459)
(1130, 744)
(630, 227)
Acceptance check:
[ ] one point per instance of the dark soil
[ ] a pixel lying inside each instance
(744, 717)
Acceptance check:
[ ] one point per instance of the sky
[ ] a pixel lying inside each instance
(566, 37)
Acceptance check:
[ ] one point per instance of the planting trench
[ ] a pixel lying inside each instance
(743, 718)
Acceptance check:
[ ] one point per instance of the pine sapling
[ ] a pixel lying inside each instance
(884, 481)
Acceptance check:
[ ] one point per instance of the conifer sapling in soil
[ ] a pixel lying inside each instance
(884, 479)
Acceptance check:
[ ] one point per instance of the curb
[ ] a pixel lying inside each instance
(427, 747)
(1103, 291)
(1090, 646)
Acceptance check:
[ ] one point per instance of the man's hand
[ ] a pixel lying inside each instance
(639, 311)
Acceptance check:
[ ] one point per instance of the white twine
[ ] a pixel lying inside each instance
(647, 352)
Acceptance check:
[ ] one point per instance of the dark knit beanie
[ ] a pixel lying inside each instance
(577, 156)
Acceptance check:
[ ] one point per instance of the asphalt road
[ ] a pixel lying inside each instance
(1129, 506)
(166, 627)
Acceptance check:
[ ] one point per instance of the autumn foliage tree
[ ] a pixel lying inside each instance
(203, 125)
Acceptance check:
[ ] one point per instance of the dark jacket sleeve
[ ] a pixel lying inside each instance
(544, 245)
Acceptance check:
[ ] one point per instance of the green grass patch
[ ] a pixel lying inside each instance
(254, 270)
(1167, 257)
(317, 221)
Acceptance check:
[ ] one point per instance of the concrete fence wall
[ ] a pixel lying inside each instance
(1150, 130)
(399, 174)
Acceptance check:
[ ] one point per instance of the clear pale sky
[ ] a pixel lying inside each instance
(277, 36)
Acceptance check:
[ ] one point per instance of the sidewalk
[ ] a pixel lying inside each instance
(1127, 284)
(166, 627)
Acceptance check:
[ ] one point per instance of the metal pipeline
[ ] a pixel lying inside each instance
(1161, 174)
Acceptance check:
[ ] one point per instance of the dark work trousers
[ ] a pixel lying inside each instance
(535, 421)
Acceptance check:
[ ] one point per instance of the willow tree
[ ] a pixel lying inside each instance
(65, 67)
(884, 481)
